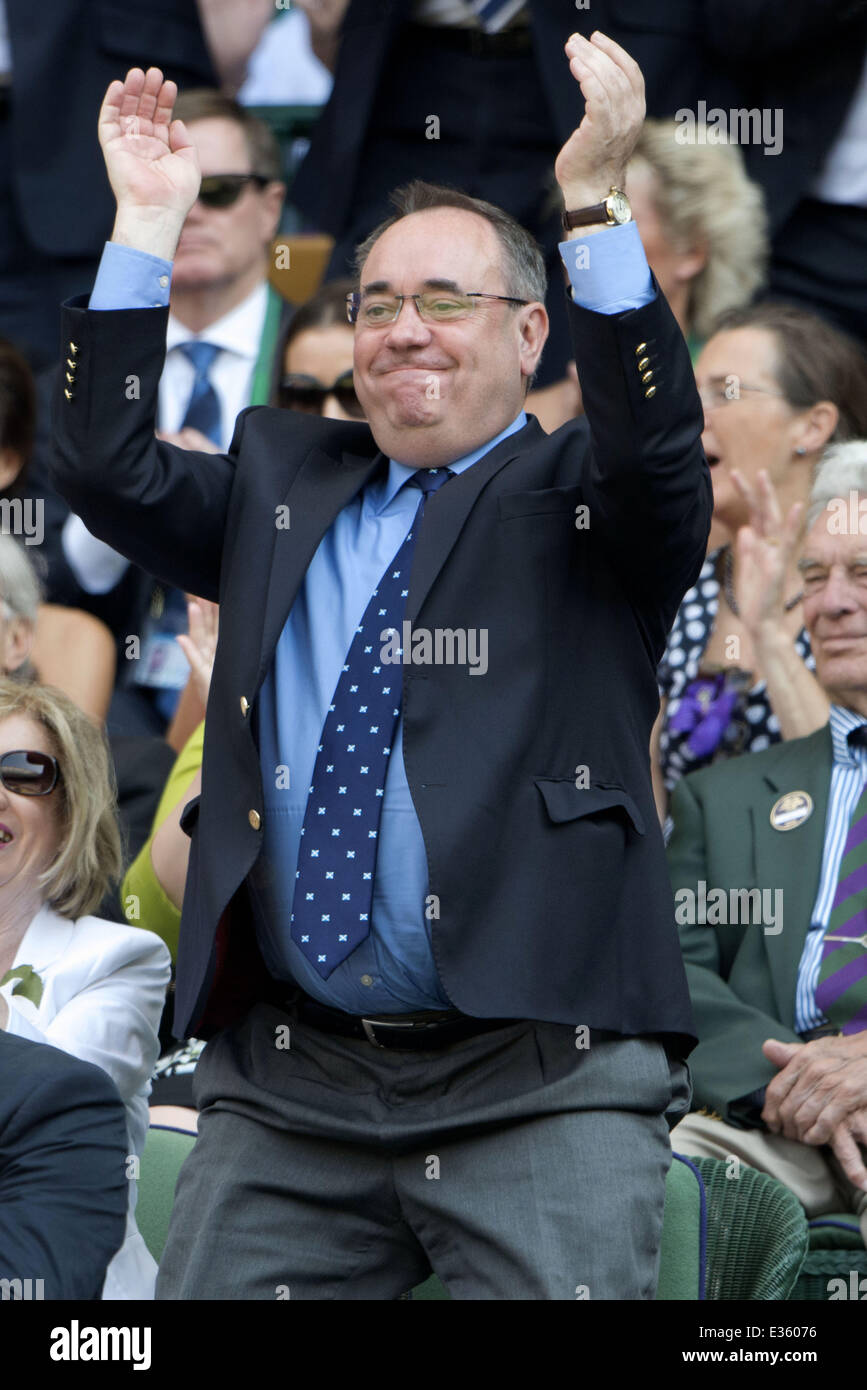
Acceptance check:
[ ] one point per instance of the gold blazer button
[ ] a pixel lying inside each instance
(255, 819)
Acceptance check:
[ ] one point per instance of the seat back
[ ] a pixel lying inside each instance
(164, 1153)
(757, 1235)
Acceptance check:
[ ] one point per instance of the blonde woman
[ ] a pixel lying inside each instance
(92, 988)
(702, 223)
(704, 230)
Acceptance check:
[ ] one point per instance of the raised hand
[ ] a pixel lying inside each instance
(596, 154)
(765, 549)
(200, 647)
(152, 164)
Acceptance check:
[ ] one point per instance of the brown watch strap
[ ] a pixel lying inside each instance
(585, 217)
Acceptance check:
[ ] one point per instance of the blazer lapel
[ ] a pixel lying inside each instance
(447, 511)
(320, 489)
(791, 860)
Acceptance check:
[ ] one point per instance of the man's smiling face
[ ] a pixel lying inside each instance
(432, 392)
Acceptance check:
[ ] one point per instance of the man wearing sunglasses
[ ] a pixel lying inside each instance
(427, 924)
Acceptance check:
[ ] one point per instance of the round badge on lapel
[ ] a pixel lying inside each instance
(791, 810)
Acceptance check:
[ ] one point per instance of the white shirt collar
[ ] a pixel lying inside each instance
(239, 331)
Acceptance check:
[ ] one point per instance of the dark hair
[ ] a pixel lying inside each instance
(323, 309)
(815, 361)
(523, 262)
(17, 403)
(205, 104)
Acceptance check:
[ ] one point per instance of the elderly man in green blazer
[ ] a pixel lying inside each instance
(768, 860)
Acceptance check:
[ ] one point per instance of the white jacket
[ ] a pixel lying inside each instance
(104, 986)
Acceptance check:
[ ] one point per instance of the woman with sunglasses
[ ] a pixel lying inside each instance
(317, 357)
(779, 385)
(87, 986)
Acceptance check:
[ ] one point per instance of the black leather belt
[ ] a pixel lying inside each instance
(427, 1029)
(825, 1030)
(474, 41)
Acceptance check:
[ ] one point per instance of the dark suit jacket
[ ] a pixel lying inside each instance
(803, 55)
(742, 979)
(64, 55)
(63, 1184)
(554, 900)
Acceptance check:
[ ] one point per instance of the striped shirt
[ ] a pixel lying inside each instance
(848, 775)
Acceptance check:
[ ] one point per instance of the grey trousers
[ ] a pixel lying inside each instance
(514, 1164)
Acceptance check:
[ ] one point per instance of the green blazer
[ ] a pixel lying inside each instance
(742, 977)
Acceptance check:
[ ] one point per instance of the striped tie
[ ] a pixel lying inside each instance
(494, 15)
(841, 992)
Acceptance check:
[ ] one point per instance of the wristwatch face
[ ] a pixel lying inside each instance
(618, 206)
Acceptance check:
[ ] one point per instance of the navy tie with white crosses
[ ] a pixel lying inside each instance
(337, 859)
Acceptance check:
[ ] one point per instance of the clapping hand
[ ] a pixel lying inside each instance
(764, 552)
(595, 156)
(200, 646)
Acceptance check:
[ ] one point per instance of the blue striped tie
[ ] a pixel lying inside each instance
(203, 408)
(494, 15)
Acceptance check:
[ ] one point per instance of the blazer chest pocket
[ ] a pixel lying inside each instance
(566, 802)
(545, 501)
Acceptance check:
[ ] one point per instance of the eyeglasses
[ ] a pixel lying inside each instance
(222, 190)
(300, 392)
(435, 306)
(724, 392)
(29, 774)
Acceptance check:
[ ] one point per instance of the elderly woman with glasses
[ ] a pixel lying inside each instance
(90, 987)
(778, 385)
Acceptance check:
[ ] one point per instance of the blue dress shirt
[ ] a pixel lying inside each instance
(393, 970)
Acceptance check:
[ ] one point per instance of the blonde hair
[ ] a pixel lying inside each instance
(90, 857)
(704, 197)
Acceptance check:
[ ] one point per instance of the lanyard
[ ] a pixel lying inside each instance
(262, 374)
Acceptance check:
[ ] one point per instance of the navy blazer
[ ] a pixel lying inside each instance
(555, 902)
(63, 1184)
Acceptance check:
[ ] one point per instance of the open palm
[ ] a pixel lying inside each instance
(151, 162)
(765, 548)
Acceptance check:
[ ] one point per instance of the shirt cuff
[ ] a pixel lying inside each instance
(608, 271)
(130, 279)
(96, 566)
